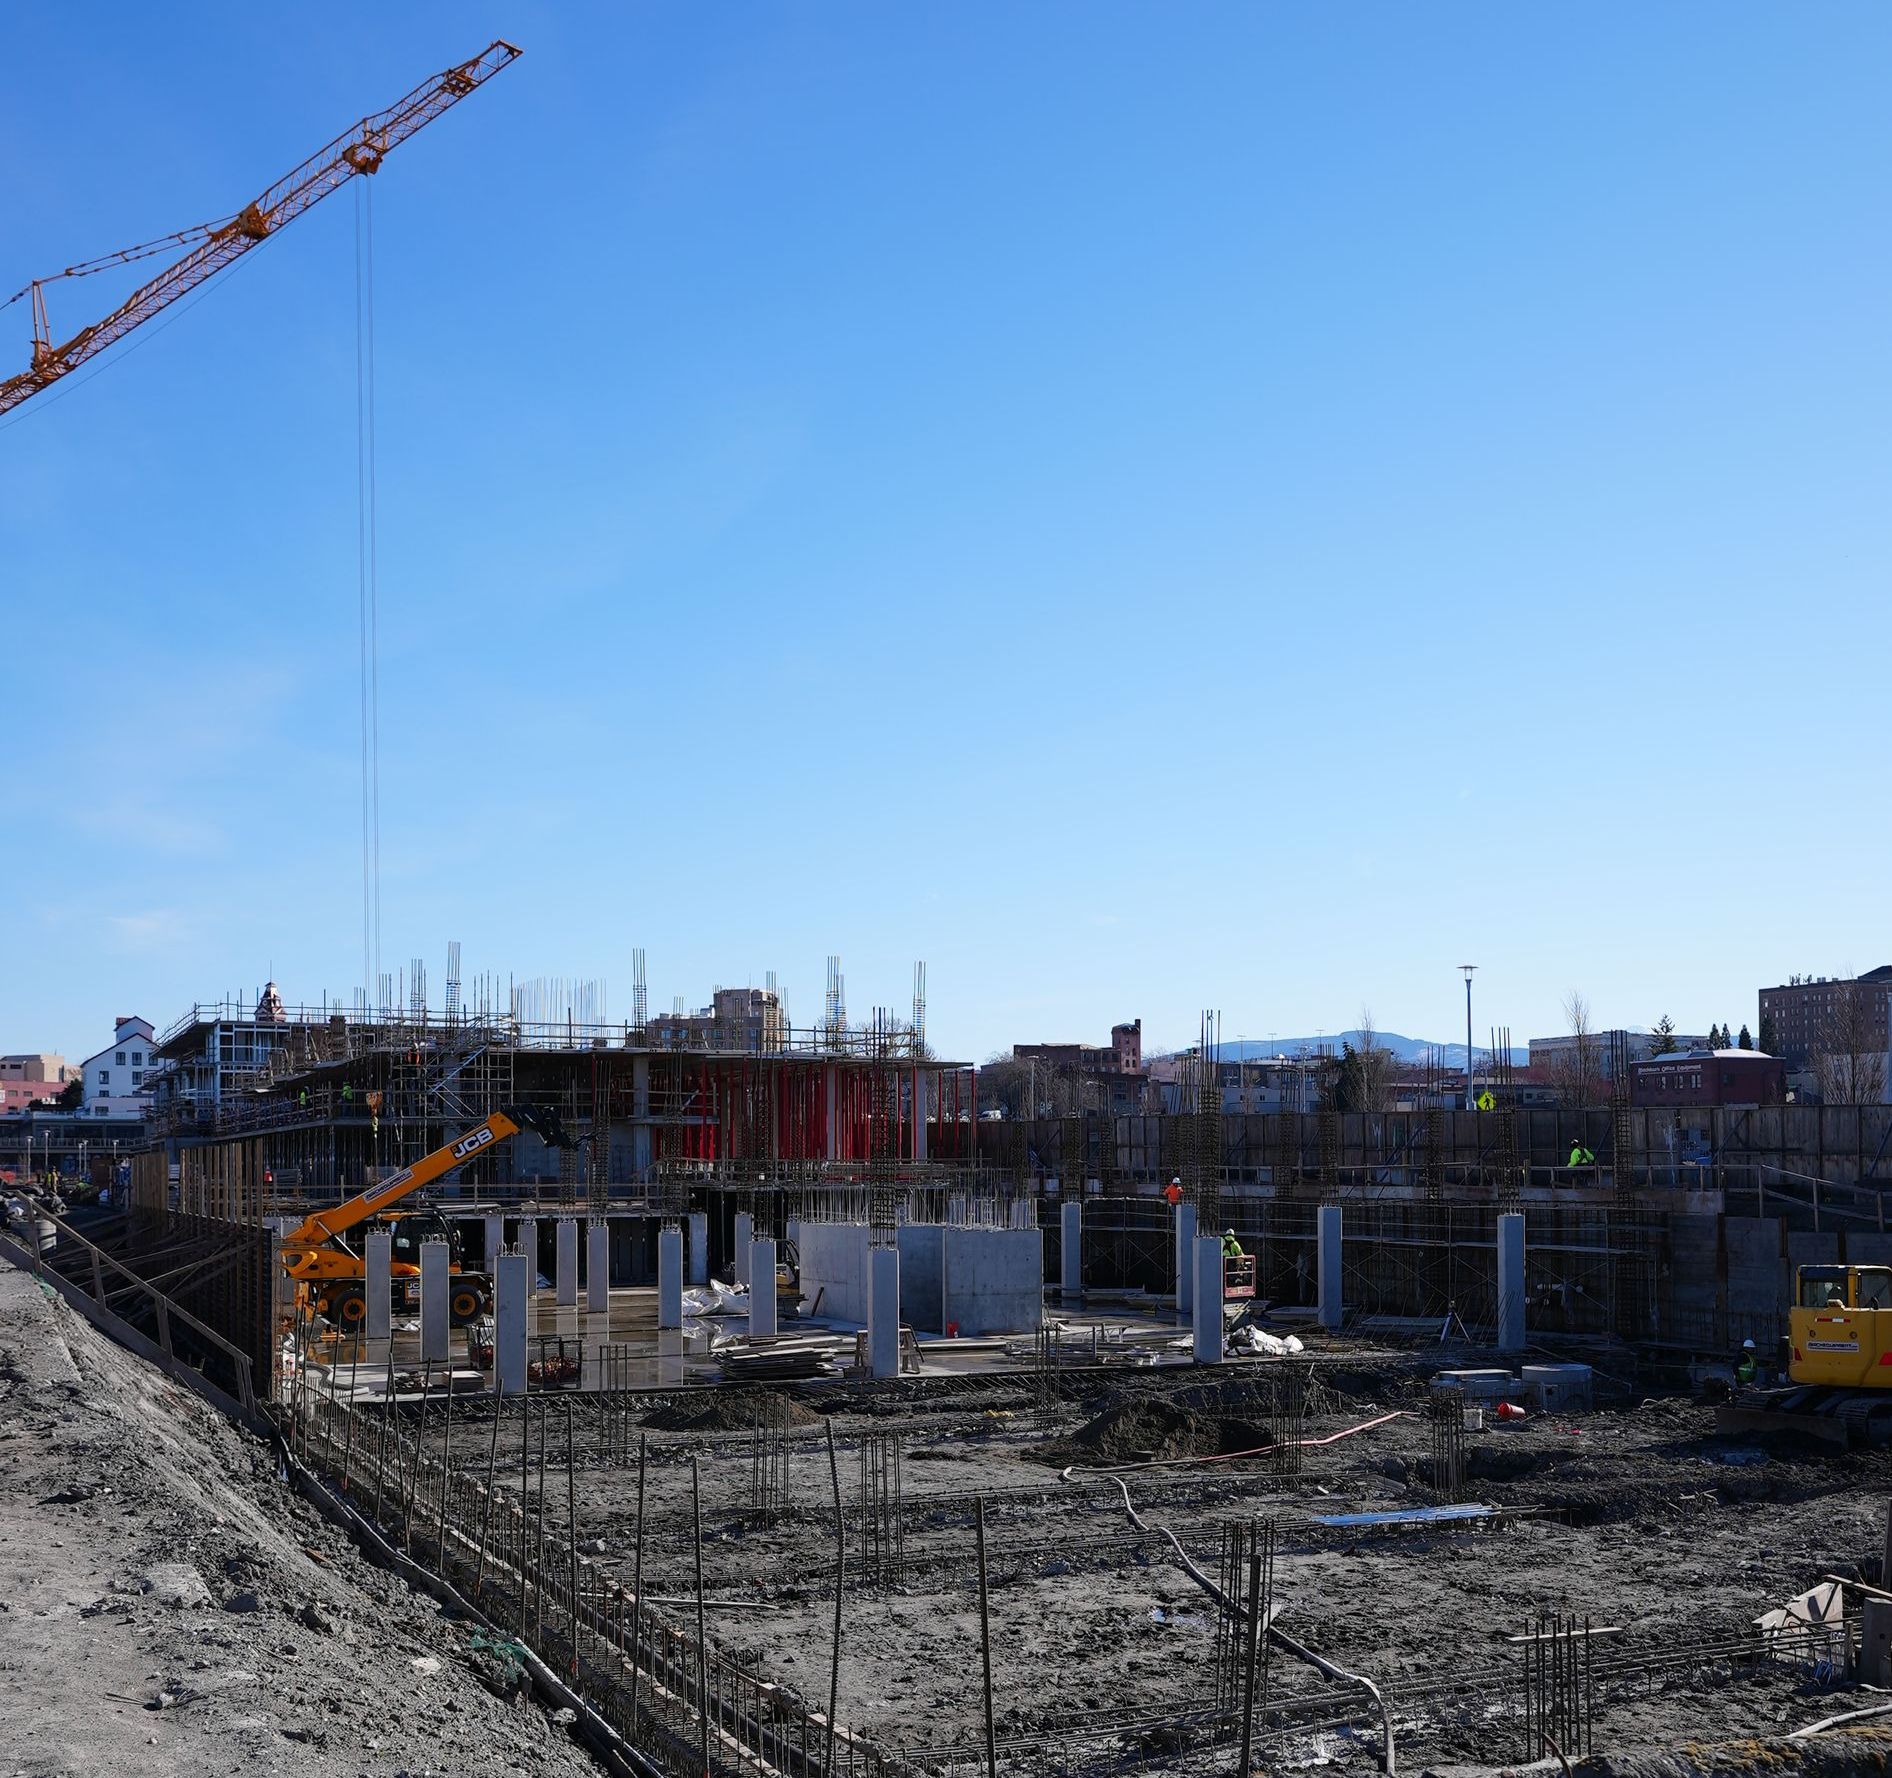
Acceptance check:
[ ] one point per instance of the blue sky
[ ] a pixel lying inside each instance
(1144, 507)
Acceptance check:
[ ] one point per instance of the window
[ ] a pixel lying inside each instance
(105, 1075)
(119, 1059)
(137, 1075)
(1822, 1287)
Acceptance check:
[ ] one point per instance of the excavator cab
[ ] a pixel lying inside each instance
(411, 1229)
(1841, 1327)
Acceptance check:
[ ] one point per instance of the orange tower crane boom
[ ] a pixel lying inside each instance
(214, 245)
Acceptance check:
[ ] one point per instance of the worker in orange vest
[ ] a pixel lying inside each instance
(1173, 1192)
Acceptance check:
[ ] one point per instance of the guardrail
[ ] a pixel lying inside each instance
(165, 1310)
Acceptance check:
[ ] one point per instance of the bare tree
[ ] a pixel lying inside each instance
(1849, 1064)
(1579, 1068)
(1375, 1064)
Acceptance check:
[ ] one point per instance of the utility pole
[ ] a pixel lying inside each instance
(1471, 1092)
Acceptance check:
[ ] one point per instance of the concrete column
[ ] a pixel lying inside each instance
(699, 1246)
(1327, 1256)
(567, 1262)
(510, 1296)
(529, 1246)
(1185, 1258)
(1511, 1282)
(1875, 1642)
(920, 1132)
(760, 1264)
(669, 1277)
(598, 1266)
(1071, 1250)
(1210, 1333)
(495, 1237)
(377, 1254)
(436, 1312)
(883, 1311)
(745, 1237)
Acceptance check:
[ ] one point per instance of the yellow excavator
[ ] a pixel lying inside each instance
(1839, 1361)
(324, 1254)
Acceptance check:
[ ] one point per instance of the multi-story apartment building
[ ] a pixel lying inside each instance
(1807, 1016)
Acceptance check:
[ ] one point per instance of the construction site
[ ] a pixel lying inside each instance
(767, 1410)
(474, 1383)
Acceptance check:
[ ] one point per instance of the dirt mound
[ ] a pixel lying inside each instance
(731, 1410)
(1145, 1430)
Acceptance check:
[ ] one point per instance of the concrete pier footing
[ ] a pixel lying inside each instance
(669, 1278)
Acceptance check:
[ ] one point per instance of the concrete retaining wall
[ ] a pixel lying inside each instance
(992, 1280)
(834, 1267)
(922, 1262)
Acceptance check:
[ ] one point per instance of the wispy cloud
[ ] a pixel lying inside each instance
(147, 827)
(150, 930)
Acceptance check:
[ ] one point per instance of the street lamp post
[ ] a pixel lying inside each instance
(1471, 1092)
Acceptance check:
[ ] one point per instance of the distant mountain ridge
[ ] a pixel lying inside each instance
(1415, 1050)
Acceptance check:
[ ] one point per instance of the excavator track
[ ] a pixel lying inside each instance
(1846, 1418)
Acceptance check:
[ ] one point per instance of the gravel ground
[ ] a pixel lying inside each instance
(1651, 1523)
(168, 1607)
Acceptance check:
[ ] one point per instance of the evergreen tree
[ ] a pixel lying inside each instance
(1663, 1036)
(1768, 1034)
(1745, 1040)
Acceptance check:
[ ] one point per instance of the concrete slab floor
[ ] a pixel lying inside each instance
(623, 1348)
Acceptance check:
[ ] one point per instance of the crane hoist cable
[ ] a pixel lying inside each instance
(213, 246)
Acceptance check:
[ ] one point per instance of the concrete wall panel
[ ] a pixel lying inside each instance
(1757, 1278)
(922, 1259)
(834, 1267)
(992, 1280)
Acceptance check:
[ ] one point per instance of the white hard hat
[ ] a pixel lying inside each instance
(1747, 1345)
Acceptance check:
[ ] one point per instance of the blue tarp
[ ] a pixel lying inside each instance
(1415, 1515)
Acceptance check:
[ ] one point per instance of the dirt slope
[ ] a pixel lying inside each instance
(168, 1607)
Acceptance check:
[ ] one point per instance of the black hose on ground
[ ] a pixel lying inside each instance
(616, 1754)
(1300, 1651)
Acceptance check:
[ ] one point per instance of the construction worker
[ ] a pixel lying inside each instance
(1745, 1371)
(1172, 1193)
(1579, 1155)
(1231, 1248)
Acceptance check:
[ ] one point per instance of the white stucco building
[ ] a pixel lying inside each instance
(113, 1077)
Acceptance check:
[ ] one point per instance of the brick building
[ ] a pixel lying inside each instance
(1709, 1077)
(1806, 1014)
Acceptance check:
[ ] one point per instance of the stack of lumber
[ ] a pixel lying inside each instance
(785, 1359)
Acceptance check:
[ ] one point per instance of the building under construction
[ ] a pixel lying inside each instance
(261, 1110)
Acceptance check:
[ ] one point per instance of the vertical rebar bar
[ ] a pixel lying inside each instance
(387, 1414)
(486, 1517)
(702, 1631)
(525, 1495)
(1254, 1649)
(413, 1469)
(985, 1641)
(446, 1459)
(571, 1526)
(637, 1580)
(840, 1568)
(538, 1539)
